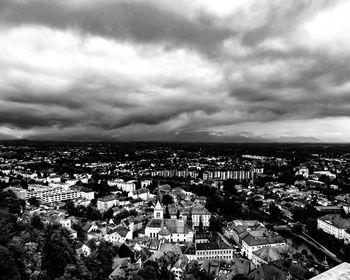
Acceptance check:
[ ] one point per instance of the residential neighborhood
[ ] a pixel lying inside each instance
(184, 212)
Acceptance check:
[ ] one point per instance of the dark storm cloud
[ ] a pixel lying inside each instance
(140, 22)
(99, 69)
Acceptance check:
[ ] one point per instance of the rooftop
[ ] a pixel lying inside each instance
(336, 220)
(339, 272)
(212, 246)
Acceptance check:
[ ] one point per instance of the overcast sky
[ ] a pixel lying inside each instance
(159, 69)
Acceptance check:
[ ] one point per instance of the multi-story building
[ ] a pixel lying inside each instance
(333, 224)
(213, 251)
(60, 196)
(269, 254)
(230, 174)
(200, 215)
(143, 194)
(47, 194)
(258, 239)
(238, 229)
(196, 214)
(106, 202)
(129, 186)
(173, 230)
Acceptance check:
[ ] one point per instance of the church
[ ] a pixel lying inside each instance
(173, 230)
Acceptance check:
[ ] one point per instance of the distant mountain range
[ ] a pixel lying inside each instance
(192, 137)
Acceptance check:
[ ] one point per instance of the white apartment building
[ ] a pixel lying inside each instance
(104, 203)
(60, 196)
(129, 186)
(213, 251)
(200, 214)
(334, 225)
(258, 239)
(47, 194)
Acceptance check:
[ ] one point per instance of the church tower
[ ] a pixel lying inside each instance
(158, 211)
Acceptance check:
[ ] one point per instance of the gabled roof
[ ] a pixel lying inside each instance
(164, 232)
(158, 205)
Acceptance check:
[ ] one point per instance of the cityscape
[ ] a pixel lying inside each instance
(174, 210)
(174, 140)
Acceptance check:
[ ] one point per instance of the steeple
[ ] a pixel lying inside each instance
(159, 194)
(158, 211)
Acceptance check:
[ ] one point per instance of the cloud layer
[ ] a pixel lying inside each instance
(153, 70)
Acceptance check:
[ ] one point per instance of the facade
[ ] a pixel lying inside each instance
(158, 212)
(196, 214)
(82, 250)
(67, 223)
(173, 230)
(334, 225)
(47, 194)
(213, 251)
(117, 235)
(256, 240)
(269, 254)
(88, 195)
(60, 196)
(238, 229)
(104, 203)
(129, 186)
(200, 214)
(141, 194)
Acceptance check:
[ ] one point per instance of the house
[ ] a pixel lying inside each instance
(82, 249)
(118, 235)
(72, 233)
(123, 268)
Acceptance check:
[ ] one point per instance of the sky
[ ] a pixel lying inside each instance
(199, 70)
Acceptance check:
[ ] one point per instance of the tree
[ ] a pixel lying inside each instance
(24, 184)
(215, 223)
(167, 199)
(304, 252)
(58, 252)
(166, 214)
(36, 222)
(178, 214)
(275, 212)
(33, 201)
(32, 260)
(200, 225)
(297, 228)
(8, 268)
(12, 203)
(147, 273)
(108, 214)
(100, 261)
